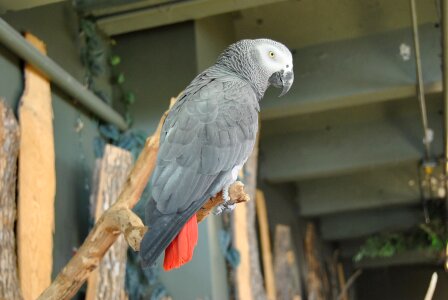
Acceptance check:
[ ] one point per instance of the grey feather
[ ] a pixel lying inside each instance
(209, 146)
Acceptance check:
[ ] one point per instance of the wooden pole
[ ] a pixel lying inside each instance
(314, 277)
(345, 287)
(9, 150)
(431, 287)
(241, 241)
(108, 280)
(37, 182)
(248, 279)
(342, 283)
(116, 220)
(266, 251)
(332, 267)
(285, 265)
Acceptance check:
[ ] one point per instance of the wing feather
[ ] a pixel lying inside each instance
(210, 130)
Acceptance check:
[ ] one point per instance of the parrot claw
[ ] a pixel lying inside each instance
(219, 210)
(225, 206)
(225, 193)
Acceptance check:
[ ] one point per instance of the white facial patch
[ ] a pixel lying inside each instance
(274, 58)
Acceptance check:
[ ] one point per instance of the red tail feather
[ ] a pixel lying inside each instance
(181, 249)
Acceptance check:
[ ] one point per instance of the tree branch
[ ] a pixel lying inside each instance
(120, 219)
(349, 283)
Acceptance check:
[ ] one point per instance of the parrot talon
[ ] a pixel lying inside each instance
(230, 207)
(225, 206)
(225, 193)
(219, 210)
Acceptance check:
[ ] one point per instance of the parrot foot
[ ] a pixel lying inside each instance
(226, 206)
(225, 193)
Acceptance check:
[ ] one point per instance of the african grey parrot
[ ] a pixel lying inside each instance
(207, 137)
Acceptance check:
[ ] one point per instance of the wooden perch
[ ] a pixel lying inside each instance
(236, 194)
(120, 219)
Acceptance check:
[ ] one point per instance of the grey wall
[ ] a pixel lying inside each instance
(158, 64)
(56, 26)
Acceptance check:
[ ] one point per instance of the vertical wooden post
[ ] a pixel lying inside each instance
(342, 282)
(314, 277)
(107, 282)
(332, 268)
(37, 182)
(248, 279)
(242, 280)
(285, 265)
(266, 251)
(9, 150)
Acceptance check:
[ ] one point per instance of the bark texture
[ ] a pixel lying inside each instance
(285, 264)
(108, 281)
(9, 150)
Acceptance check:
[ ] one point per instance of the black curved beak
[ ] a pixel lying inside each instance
(282, 79)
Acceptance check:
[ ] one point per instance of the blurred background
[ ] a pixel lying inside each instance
(350, 162)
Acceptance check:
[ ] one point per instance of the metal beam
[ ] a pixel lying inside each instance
(17, 44)
(444, 14)
(363, 223)
(445, 77)
(391, 140)
(427, 139)
(408, 258)
(171, 13)
(109, 7)
(398, 186)
(6, 5)
(350, 248)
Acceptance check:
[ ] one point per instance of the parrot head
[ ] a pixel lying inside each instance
(263, 62)
(277, 60)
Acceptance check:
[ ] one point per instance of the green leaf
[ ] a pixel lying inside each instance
(129, 98)
(120, 78)
(115, 60)
(436, 243)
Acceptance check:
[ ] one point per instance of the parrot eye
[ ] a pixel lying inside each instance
(271, 54)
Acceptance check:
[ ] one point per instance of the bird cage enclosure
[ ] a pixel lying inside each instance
(343, 196)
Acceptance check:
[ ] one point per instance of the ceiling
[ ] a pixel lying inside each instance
(6, 5)
(309, 22)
